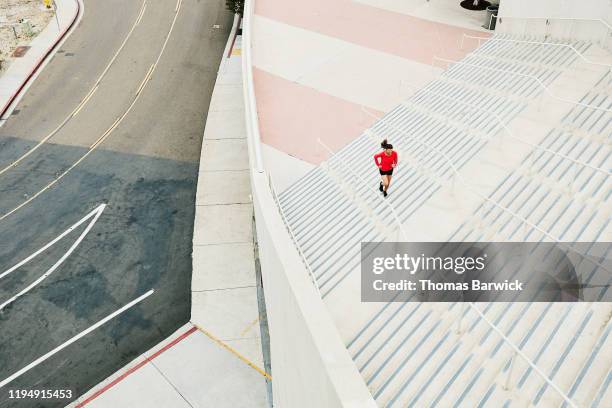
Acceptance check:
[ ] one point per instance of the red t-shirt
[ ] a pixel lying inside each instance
(384, 162)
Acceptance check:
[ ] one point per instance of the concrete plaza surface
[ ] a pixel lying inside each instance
(215, 360)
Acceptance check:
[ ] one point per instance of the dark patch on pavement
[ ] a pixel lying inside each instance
(141, 241)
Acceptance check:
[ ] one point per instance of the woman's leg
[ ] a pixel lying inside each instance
(383, 180)
(388, 183)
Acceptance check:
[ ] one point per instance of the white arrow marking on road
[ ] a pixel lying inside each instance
(73, 339)
(95, 214)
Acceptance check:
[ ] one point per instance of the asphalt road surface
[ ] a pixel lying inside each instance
(134, 145)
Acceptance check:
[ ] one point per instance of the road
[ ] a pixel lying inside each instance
(116, 118)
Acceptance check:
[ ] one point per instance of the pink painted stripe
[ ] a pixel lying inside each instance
(293, 116)
(394, 33)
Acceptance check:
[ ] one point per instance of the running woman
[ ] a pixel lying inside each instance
(386, 162)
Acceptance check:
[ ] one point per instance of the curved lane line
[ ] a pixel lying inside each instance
(85, 99)
(111, 128)
(95, 213)
(99, 209)
(85, 332)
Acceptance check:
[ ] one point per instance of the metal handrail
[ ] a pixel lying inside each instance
(252, 124)
(249, 89)
(468, 187)
(292, 235)
(547, 20)
(509, 133)
(402, 233)
(534, 78)
(573, 19)
(520, 353)
(585, 59)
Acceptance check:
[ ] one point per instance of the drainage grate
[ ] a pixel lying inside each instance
(20, 51)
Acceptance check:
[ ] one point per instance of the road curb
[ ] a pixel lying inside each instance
(36, 68)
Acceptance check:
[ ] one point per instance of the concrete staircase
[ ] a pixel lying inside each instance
(427, 354)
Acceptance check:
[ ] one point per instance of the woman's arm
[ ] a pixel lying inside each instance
(378, 160)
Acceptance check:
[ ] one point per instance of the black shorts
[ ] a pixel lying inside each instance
(386, 172)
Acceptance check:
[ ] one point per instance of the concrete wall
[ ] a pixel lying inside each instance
(311, 367)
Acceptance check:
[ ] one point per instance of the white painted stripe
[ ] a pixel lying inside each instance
(96, 214)
(322, 62)
(84, 333)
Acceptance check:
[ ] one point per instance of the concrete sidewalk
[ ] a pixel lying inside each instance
(216, 359)
(22, 71)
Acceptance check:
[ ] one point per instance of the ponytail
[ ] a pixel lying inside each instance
(386, 145)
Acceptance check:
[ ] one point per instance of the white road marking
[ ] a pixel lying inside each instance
(85, 332)
(95, 214)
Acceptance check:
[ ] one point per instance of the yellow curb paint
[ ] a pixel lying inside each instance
(234, 352)
(249, 327)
